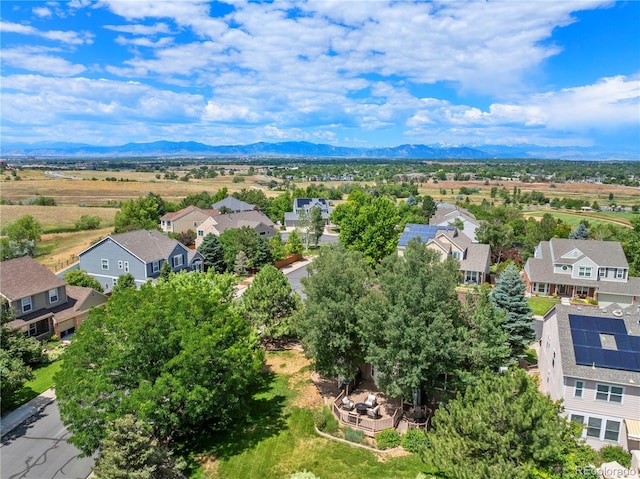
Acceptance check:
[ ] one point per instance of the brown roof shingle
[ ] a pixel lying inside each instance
(23, 277)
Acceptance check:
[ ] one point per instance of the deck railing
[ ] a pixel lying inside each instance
(369, 425)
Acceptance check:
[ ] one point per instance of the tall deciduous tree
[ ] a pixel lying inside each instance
(509, 296)
(269, 303)
(245, 239)
(142, 213)
(79, 277)
(25, 228)
(328, 324)
(411, 322)
(294, 243)
(497, 235)
(213, 251)
(317, 224)
(177, 353)
(125, 281)
(129, 451)
(502, 428)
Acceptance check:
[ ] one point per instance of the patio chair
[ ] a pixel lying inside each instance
(371, 400)
(347, 403)
(372, 412)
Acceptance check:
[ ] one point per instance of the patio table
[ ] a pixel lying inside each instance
(361, 408)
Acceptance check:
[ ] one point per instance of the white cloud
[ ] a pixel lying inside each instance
(37, 61)
(69, 37)
(42, 12)
(139, 29)
(144, 42)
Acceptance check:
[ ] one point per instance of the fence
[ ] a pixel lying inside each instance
(366, 424)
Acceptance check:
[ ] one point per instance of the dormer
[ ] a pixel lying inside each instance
(573, 254)
(585, 268)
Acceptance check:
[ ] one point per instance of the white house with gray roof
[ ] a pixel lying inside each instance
(583, 268)
(233, 205)
(305, 205)
(590, 359)
(140, 253)
(451, 215)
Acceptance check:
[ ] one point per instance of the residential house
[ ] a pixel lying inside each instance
(43, 303)
(255, 219)
(474, 258)
(583, 268)
(188, 218)
(233, 205)
(590, 359)
(300, 205)
(140, 253)
(452, 215)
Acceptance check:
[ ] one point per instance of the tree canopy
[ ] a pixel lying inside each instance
(213, 251)
(79, 277)
(177, 353)
(249, 241)
(142, 213)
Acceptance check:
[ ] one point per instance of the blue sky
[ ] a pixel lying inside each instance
(349, 73)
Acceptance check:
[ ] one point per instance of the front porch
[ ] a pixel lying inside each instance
(562, 290)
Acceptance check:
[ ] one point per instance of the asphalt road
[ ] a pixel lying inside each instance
(294, 278)
(38, 449)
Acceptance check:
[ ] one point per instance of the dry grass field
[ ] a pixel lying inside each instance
(52, 217)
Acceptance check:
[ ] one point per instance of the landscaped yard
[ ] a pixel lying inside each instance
(541, 304)
(281, 439)
(42, 381)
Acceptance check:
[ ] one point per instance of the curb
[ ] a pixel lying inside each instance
(19, 415)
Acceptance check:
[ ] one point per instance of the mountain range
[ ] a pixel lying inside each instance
(170, 149)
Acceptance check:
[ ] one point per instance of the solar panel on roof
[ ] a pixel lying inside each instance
(583, 355)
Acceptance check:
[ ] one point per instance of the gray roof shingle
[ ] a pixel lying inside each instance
(148, 245)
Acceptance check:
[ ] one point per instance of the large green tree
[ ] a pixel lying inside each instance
(269, 303)
(79, 277)
(501, 428)
(213, 251)
(177, 353)
(142, 213)
(369, 225)
(21, 238)
(509, 296)
(129, 451)
(410, 322)
(317, 224)
(497, 235)
(328, 324)
(125, 281)
(245, 239)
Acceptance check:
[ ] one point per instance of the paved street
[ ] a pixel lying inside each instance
(38, 449)
(294, 278)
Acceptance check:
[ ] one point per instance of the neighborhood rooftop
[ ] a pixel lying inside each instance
(424, 232)
(23, 277)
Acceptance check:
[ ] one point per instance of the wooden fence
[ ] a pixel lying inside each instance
(363, 422)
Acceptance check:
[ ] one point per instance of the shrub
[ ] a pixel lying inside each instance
(87, 222)
(319, 419)
(387, 439)
(414, 440)
(615, 453)
(304, 474)
(325, 420)
(354, 435)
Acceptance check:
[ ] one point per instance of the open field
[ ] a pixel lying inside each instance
(59, 250)
(56, 217)
(575, 217)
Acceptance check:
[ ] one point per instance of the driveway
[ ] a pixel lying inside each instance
(38, 449)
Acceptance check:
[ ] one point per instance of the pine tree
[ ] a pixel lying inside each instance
(213, 252)
(241, 264)
(294, 243)
(509, 295)
(165, 271)
(580, 233)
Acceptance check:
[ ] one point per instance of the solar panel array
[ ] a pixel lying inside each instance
(425, 232)
(585, 334)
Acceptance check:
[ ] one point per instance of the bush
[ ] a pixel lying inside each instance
(87, 222)
(387, 439)
(319, 419)
(414, 440)
(354, 435)
(615, 453)
(325, 420)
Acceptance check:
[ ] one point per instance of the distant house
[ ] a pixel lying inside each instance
(448, 241)
(188, 218)
(590, 359)
(255, 219)
(43, 303)
(233, 205)
(449, 215)
(584, 268)
(292, 218)
(140, 253)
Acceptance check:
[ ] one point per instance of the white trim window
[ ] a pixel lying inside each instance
(594, 427)
(53, 295)
(579, 389)
(584, 271)
(26, 304)
(126, 266)
(178, 260)
(104, 263)
(577, 418)
(120, 264)
(603, 272)
(155, 267)
(619, 273)
(612, 431)
(582, 290)
(605, 392)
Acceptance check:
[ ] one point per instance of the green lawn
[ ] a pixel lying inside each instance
(540, 305)
(42, 381)
(597, 217)
(281, 440)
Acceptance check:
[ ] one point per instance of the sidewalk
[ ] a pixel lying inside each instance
(12, 420)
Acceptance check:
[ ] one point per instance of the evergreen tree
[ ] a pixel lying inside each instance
(428, 207)
(509, 296)
(129, 451)
(580, 233)
(241, 264)
(278, 250)
(213, 251)
(294, 243)
(317, 224)
(165, 271)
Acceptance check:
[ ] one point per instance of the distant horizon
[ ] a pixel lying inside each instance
(553, 74)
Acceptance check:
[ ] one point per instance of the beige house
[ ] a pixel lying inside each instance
(43, 303)
(451, 215)
(448, 241)
(188, 218)
(590, 359)
(255, 219)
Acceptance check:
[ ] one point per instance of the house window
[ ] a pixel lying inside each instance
(177, 260)
(197, 266)
(619, 273)
(603, 272)
(456, 254)
(553, 361)
(119, 264)
(582, 290)
(53, 295)
(126, 266)
(200, 233)
(33, 330)
(584, 271)
(579, 388)
(609, 393)
(156, 266)
(105, 264)
(195, 223)
(577, 418)
(594, 426)
(612, 431)
(26, 304)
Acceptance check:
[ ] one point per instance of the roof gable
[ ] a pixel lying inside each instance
(574, 253)
(23, 277)
(146, 245)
